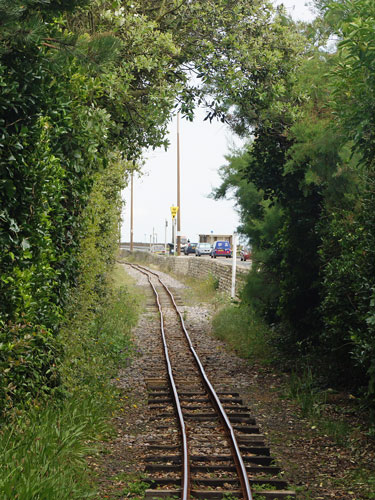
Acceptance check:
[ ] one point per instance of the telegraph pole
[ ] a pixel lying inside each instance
(178, 188)
(131, 212)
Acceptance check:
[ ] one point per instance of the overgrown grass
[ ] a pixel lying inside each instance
(312, 400)
(129, 485)
(304, 389)
(239, 326)
(202, 290)
(365, 478)
(43, 450)
(42, 454)
(98, 342)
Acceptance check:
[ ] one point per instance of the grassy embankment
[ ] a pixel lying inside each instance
(43, 449)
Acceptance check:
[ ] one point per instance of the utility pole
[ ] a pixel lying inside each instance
(178, 188)
(131, 212)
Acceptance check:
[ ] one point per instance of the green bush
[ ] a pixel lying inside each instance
(29, 359)
(347, 309)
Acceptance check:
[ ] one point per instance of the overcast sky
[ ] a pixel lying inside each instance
(202, 150)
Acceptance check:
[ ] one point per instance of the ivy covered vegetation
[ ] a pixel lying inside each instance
(304, 184)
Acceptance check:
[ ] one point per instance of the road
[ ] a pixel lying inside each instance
(227, 262)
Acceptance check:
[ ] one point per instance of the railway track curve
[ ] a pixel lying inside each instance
(209, 446)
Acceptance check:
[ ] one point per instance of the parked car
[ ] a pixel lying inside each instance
(203, 249)
(190, 248)
(245, 254)
(170, 248)
(221, 249)
(158, 248)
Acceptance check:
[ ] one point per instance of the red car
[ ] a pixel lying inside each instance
(245, 254)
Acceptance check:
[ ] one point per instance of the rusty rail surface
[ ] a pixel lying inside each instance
(240, 466)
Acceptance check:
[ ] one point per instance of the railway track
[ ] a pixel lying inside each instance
(207, 445)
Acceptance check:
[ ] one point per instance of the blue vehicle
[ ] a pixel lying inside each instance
(190, 248)
(221, 249)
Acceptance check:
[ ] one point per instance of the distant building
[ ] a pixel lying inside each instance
(211, 238)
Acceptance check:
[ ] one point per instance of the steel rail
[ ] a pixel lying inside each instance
(185, 481)
(240, 466)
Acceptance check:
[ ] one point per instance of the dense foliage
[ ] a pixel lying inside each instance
(305, 191)
(86, 85)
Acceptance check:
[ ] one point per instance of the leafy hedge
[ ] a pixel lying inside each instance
(305, 188)
(29, 360)
(51, 135)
